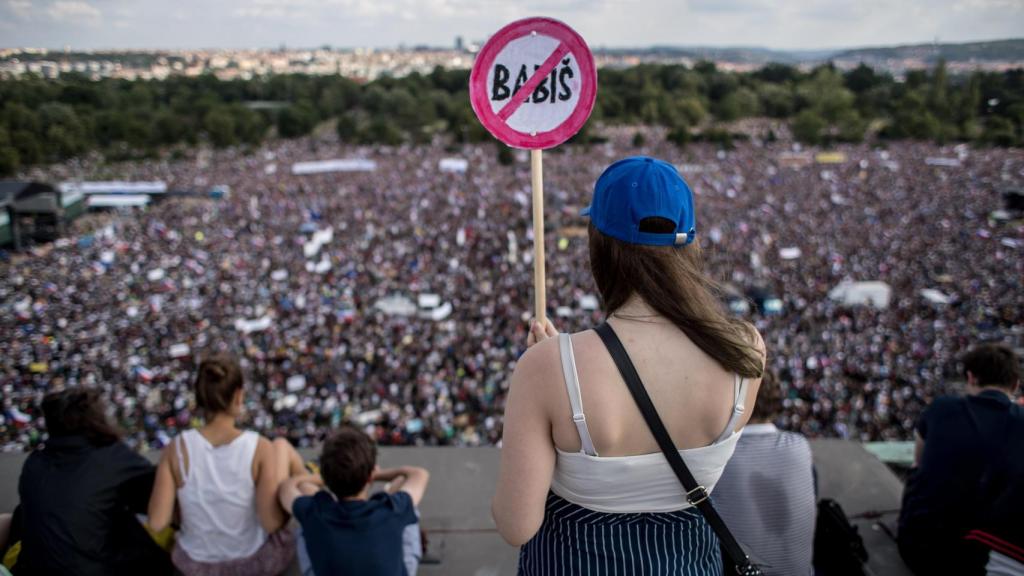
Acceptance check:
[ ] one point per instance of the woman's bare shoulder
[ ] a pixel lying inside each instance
(539, 360)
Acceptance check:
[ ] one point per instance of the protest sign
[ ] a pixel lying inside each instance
(552, 64)
(545, 59)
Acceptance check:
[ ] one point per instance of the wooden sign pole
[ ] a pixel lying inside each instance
(537, 176)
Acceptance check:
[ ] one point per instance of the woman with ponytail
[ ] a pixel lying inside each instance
(222, 484)
(584, 487)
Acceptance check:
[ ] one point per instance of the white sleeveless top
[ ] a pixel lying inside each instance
(630, 484)
(218, 498)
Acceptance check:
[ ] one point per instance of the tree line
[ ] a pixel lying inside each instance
(45, 121)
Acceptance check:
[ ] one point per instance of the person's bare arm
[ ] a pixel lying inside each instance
(268, 471)
(298, 486)
(165, 491)
(5, 529)
(528, 452)
(410, 479)
(392, 477)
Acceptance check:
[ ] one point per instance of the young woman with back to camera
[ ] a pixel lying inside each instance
(223, 482)
(584, 487)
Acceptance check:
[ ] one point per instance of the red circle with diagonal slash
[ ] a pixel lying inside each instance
(498, 125)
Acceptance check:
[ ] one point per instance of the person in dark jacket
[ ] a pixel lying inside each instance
(968, 475)
(80, 494)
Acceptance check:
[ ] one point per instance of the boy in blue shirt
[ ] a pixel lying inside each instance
(346, 529)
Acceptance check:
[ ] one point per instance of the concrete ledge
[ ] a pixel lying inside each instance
(456, 512)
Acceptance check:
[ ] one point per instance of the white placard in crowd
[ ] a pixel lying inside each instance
(790, 253)
(337, 165)
(179, 350)
(255, 325)
(295, 383)
(456, 165)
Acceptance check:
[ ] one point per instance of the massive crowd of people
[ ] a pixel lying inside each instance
(129, 301)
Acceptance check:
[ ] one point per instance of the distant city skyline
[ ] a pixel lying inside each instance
(774, 24)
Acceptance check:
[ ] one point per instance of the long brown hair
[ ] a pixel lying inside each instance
(79, 412)
(671, 280)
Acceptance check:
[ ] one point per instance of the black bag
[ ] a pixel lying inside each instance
(735, 560)
(838, 548)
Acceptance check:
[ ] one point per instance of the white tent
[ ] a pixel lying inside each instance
(875, 294)
(396, 305)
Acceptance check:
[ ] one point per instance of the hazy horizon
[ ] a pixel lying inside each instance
(596, 47)
(783, 25)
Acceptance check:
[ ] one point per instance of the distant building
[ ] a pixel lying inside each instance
(459, 45)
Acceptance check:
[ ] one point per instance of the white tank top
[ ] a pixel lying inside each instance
(631, 484)
(218, 498)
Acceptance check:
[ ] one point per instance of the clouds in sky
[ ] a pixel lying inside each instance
(71, 11)
(383, 23)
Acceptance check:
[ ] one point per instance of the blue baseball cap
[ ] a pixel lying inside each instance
(637, 188)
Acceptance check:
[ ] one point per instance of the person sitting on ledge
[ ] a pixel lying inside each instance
(766, 494)
(967, 485)
(346, 530)
(224, 481)
(80, 495)
(583, 486)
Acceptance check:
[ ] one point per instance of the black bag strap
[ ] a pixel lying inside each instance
(696, 494)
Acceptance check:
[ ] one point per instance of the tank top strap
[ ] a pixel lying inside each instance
(572, 386)
(252, 440)
(182, 446)
(738, 406)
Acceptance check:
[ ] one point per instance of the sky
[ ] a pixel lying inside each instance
(778, 24)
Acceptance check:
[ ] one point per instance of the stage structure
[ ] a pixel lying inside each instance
(35, 211)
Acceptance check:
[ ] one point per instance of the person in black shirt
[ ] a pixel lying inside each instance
(969, 469)
(79, 496)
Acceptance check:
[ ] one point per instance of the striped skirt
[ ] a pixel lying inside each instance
(578, 541)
